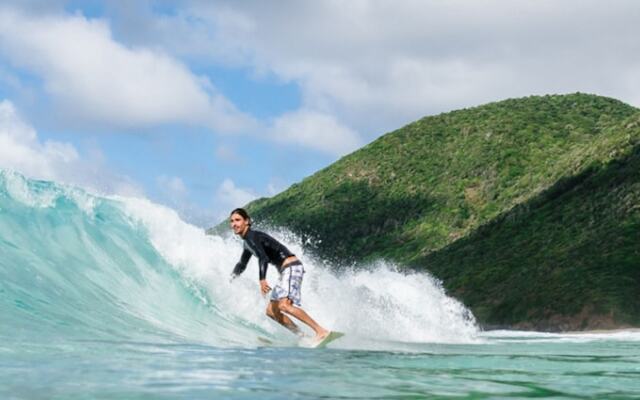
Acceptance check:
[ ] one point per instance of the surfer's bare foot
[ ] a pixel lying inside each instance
(321, 335)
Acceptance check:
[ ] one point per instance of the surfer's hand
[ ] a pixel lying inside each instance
(232, 277)
(264, 287)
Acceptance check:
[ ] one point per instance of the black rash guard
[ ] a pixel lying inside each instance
(265, 248)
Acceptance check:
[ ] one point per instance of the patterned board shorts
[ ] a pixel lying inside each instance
(290, 284)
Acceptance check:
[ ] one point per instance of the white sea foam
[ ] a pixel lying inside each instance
(17, 187)
(25, 191)
(630, 335)
(373, 303)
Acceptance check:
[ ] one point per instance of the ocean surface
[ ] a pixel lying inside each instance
(117, 298)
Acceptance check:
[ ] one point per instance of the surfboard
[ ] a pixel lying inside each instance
(333, 335)
(264, 340)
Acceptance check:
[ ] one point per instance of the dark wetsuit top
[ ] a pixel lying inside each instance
(265, 248)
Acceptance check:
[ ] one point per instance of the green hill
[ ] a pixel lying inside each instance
(476, 196)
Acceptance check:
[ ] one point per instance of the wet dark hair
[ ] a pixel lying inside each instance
(243, 213)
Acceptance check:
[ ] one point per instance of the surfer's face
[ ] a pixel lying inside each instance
(238, 224)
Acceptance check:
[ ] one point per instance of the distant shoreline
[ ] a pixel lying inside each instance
(604, 331)
(567, 332)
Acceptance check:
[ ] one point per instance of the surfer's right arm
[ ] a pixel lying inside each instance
(242, 264)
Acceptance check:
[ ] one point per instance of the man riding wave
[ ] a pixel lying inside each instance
(286, 295)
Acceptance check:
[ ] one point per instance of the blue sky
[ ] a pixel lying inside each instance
(205, 105)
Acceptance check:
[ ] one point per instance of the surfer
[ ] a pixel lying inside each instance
(286, 295)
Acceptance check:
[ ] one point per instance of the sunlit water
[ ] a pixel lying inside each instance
(118, 298)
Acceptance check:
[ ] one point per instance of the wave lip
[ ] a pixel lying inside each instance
(75, 266)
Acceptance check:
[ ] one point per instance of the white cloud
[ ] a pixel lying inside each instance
(374, 65)
(97, 79)
(172, 187)
(22, 151)
(275, 186)
(315, 130)
(368, 66)
(175, 193)
(230, 196)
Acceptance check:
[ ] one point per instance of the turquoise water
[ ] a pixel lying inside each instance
(106, 297)
(598, 369)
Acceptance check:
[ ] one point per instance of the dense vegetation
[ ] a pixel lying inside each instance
(527, 209)
(569, 259)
